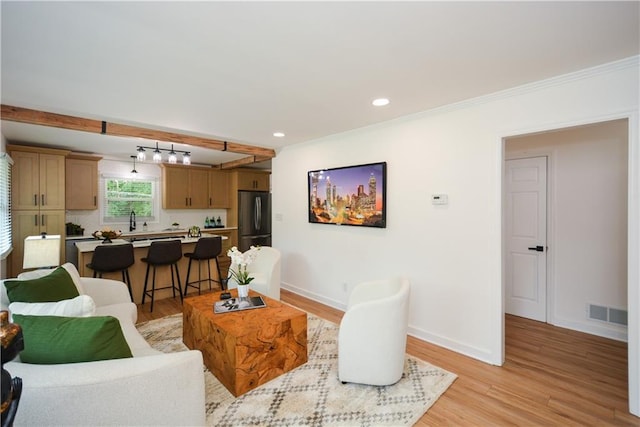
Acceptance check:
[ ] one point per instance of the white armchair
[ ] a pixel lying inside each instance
(373, 333)
(265, 270)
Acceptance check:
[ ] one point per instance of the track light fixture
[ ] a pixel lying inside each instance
(157, 154)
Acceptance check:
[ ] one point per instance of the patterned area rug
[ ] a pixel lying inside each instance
(312, 395)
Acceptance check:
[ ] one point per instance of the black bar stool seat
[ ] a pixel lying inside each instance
(110, 258)
(207, 248)
(160, 254)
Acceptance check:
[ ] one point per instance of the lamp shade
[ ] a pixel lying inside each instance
(41, 251)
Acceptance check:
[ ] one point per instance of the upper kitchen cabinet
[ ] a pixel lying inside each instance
(38, 178)
(185, 187)
(81, 182)
(219, 189)
(251, 180)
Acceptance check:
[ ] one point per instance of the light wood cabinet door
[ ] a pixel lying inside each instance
(52, 185)
(25, 180)
(81, 184)
(219, 189)
(185, 187)
(37, 181)
(198, 189)
(253, 181)
(175, 183)
(31, 223)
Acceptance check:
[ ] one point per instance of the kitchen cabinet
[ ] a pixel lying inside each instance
(218, 189)
(31, 223)
(37, 196)
(38, 179)
(81, 182)
(252, 180)
(185, 187)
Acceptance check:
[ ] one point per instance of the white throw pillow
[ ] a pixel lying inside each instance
(71, 269)
(80, 306)
(75, 276)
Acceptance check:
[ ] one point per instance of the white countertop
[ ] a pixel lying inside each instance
(157, 232)
(89, 246)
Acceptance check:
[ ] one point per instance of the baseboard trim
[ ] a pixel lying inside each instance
(477, 353)
(482, 355)
(592, 329)
(313, 296)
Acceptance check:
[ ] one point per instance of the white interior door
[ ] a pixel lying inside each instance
(526, 249)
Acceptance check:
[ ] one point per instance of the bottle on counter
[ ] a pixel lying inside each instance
(207, 223)
(219, 222)
(145, 227)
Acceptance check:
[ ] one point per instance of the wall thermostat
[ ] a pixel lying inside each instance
(439, 199)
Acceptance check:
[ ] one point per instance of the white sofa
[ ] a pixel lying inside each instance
(375, 324)
(151, 388)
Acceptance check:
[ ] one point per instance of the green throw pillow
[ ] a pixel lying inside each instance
(50, 340)
(55, 286)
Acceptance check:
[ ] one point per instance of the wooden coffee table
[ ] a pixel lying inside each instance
(245, 349)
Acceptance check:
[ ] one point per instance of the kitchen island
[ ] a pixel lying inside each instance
(138, 270)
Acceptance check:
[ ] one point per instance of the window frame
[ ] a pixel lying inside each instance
(155, 200)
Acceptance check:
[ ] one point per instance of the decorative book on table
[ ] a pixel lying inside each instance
(238, 304)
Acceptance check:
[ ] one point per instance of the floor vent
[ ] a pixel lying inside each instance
(607, 314)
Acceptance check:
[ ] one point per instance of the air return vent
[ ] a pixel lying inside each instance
(607, 314)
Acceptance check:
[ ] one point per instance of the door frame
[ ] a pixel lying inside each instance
(549, 250)
(633, 235)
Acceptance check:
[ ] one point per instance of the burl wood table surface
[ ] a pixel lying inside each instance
(245, 349)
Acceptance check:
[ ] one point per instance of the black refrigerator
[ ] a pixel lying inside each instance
(254, 219)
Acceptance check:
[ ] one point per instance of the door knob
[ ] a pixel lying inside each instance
(537, 248)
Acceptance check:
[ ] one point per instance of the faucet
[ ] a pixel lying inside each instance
(132, 221)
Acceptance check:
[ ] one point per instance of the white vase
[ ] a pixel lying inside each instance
(243, 291)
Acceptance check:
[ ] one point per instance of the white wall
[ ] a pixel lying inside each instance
(588, 220)
(452, 255)
(90, 220)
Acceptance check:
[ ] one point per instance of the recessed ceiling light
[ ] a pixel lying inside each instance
(380, 102)
(278, 134)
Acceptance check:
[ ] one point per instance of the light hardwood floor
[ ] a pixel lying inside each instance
(552, 376)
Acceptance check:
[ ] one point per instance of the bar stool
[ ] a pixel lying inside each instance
(110, 258)
(163, 253)
(207, 248)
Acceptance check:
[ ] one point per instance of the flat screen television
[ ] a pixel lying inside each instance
(349, 195)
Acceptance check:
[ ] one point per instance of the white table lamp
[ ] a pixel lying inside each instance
(41, 251)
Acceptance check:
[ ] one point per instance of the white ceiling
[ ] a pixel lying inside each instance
(239, 71)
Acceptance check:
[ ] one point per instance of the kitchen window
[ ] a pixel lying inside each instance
(124, 195)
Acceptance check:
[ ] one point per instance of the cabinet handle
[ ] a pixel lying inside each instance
(35, 200)
(209, 201)
(42, 197)
(186, 201)
(35, 220)
(95, 200)
(190, 203)
(43, 224)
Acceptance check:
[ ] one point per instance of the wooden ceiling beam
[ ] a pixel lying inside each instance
(43, 118)
(240, 162)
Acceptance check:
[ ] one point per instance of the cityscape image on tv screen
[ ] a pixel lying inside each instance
(352, 195)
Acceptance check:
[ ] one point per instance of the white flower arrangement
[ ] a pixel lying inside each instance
(242, 260)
